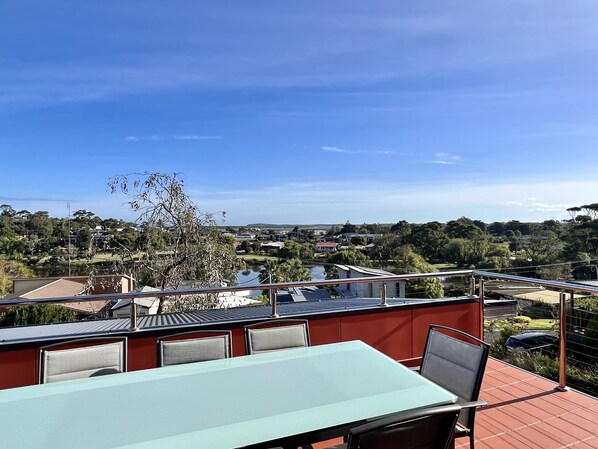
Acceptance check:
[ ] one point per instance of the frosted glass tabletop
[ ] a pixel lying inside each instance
(218, 404)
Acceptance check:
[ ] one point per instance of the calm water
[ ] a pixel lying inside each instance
(250, 277)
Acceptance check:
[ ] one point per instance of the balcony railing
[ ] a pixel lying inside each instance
(569, 324)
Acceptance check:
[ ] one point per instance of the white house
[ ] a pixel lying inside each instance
(145, 306)
(370, 289)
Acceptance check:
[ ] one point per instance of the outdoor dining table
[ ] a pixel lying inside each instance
(225, 403)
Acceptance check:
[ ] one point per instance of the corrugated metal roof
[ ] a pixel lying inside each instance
(25, 334)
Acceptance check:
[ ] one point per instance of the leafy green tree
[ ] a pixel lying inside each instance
(515, 225)
(462, 228)
(350, 257)
(41, 225)
(498, 256)
(409, 262)
(428, 240)
(480, 224)
(38, 314)
(358, 241)
(87, 218)
(458, 250)
(10, 269)
(198, 253)
(348, 228)
(496, 228)
(402, 228)
(291, 270)
(246, 246)
(295, 250)
(386, 247)
(543, 248)
(515, 240)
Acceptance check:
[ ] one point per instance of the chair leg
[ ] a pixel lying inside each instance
(471, 441)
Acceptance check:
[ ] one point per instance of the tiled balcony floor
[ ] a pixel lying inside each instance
(525, 411)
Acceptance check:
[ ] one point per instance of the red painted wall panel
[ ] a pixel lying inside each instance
(461, 316)
(325, 330)
(18, 367)
(389, 332)
(400, 333)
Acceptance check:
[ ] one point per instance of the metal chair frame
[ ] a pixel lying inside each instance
(44, 349)
(208, 334)
(465, 427)
(274, 324)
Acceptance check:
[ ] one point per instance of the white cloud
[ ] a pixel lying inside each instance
(176, 137)
(445, 159)
(345, 150)
(196, 137)
(359, 202)
(337, 150)
(140, 138)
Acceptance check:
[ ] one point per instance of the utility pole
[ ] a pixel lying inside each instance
(68, 206)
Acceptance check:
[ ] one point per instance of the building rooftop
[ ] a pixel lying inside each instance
(21, 334)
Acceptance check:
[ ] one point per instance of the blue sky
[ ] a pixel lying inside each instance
(304, 112)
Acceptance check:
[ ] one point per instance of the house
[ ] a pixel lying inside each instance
(302, 294)
(326, 247)
(37, 288)
(367, 290)
(145, 306)
(271, 247)
(348, 237)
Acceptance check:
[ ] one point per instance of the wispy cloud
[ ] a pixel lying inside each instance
(176, 137)
(331, 149)
(34, 199)
(388, 202)
(196, 137)
(445, 159)
(141, 138)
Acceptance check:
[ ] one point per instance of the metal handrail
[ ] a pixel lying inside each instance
(216, 290)
(557, 285)
(561, 286)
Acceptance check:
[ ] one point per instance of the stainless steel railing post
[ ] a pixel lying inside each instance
(133, 325)
(481, 295)
(562, 342)
(383, 302)
(472, 286)
(274, 313)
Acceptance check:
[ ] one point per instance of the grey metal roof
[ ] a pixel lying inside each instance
(144, 302)
(25, 334)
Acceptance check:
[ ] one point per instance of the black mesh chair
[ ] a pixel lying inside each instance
(207, 345)
(275, 335)
(430, 428)
(458, 366)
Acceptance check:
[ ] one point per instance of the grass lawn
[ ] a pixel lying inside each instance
(256, 257)
(535, 324)
(543, 324)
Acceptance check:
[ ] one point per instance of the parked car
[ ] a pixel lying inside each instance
(544, 342)
(548, 343)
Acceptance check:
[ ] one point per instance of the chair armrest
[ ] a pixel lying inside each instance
(472, 404)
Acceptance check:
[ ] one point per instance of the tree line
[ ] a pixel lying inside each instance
(172, 241)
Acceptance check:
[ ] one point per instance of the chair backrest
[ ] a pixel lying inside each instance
(89, 358)
(208, 345)
(431, 428)
(276, 335)
(456, 365)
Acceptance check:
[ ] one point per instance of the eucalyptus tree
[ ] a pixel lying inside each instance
(197, 253)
